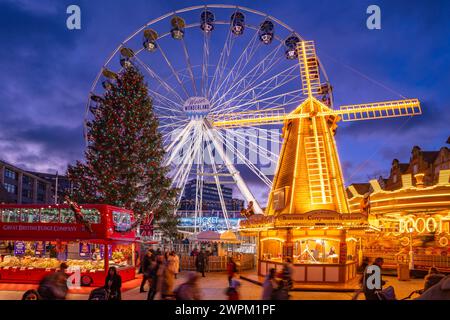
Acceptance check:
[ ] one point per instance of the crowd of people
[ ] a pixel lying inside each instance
(159, 271)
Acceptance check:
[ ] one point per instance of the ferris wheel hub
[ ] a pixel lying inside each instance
(196, 107)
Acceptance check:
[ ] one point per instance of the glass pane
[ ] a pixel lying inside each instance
(30, 215)
(11, 215)
(91, 215)
(50, 215)
(67, 216)
(122, 220)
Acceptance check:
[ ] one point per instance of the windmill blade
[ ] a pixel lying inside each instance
(379, 110)
(309, 68)
(248, 118)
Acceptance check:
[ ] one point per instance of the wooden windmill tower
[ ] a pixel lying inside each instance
(309, 175)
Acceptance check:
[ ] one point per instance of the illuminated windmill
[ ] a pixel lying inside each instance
(308, 175)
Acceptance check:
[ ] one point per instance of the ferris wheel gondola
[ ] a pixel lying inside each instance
(226, 60)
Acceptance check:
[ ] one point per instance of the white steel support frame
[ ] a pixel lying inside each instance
(235, 174)
(218, 186)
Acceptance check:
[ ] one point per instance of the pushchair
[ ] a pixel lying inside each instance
(31, 295)
(389, 294)
(99, 294)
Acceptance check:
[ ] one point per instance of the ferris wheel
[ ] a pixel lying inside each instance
(215, 61)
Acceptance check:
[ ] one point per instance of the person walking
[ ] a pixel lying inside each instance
(53, 287)
(146, 261)
(233, 291)
(371, 294)
(189, 290)
(200, 262)
(113, 284)
(167, 277)
(176, 259)
(156, 269)
(269, 285)
(231, 270)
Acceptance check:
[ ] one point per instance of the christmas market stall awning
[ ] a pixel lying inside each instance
(210, 236)
(229, 237)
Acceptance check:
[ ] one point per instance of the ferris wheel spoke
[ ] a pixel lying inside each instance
(205, 63)
(223, 61)
(258, 71)
(166, 101)
(218, 186)
(275, 82)
(185, 157)
(199, 181)
(188, 62)
(273, 102)
(250, 165)
(265, 137)
(174, 72)
(163, 83)
(187, 169)
(245, 56)
(178, 142)
(250, 141)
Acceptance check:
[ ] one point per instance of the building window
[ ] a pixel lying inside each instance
(26, 180)
(27, 193)
(415, 168)
(41, 186)
(10, 188)
(40, 197)
(394, 178)
(10, 174)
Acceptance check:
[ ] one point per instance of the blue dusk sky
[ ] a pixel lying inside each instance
(46, 72)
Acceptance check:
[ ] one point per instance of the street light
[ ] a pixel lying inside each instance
(411, 253)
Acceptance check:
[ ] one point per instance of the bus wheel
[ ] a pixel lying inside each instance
(86, 281)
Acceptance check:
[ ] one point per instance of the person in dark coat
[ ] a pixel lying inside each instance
(145, 270)
(200, 262)
(113, 284)
(432, 278)
(154, 273)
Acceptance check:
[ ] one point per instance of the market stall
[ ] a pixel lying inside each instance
(218, 247)
(37, 239)
(317, 244)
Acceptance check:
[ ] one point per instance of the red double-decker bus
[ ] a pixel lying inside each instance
(35, 239)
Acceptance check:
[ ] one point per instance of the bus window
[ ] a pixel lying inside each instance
(11, 215)
(67, 216)
(91, 215)
(122, 221)
(30, 215)
(50, 215)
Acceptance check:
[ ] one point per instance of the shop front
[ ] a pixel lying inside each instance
(317, 244)
(35, 240)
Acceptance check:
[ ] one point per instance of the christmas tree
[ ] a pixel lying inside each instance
(125, 153)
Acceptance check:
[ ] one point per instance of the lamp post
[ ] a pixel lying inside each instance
(411, 252)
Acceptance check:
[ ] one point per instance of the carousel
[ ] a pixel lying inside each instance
(414, 222)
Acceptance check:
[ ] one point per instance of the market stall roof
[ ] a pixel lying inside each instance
(208, 236)
(228, 236)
